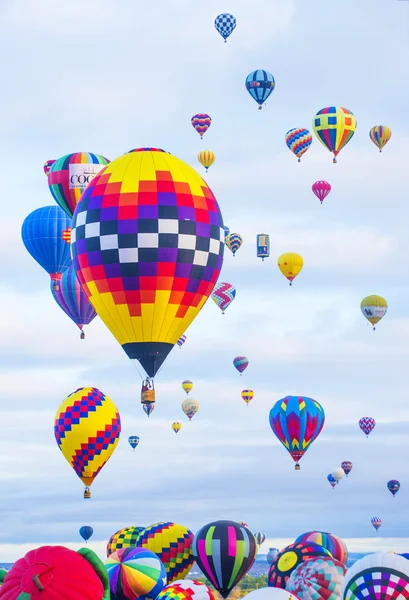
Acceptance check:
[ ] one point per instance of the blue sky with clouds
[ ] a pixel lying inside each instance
(112, 75)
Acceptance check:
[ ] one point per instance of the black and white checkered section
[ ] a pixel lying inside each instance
(169, 233)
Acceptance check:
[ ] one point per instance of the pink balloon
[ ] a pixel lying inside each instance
(321, 189)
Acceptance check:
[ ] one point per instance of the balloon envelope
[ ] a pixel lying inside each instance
(290, 264)
(380, 136)
(225, 24)
(289, 559)
(190, 407)
(135, 573)
(71, 298)
(233, 242)
(223, 295)
(329, 541)
(186, 589)
(377, 576)
(321, 189)
(133, 441)
(317, 579)
(298, 141)
(124, 538)
(86, 532)
(367, 424)
(259, 85)
(334, 126)
(240, 363)
(201, 123)
(270, 593)
(374, 308)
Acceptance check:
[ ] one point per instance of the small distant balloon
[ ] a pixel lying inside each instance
(190, 407)
(223, 295)
(241, 363)
(393, 486)
(247, 396)
(298, 141)
(201, 122)
(187, 385)
(376, 522)
(367, 424)
(259, 537)
(176, 426)
(346, 466)
(47, 166)
(380, 136)
(149, 408)
(181, 341)
(259, 85)
(374, 309)
(133, 441)
(206, 158)
(263, 246)
(290, 265)
(234, 242)
(332, 480)
(226, 231)
(86, 532)
(225, 25)
(338, 474)
(271, 554)
(321, 189)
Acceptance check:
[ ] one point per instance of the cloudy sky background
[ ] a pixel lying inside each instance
(116, 75)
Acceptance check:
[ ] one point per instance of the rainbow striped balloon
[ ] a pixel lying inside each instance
(73, 301)
(329, 541)
(135, 573)
(298, 141)
(380, 135)
(334, 126)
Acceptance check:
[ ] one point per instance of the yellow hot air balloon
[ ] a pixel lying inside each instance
(247, 396)
(374, 308)
(187, 385)
(334, 126)
(87, 429)
(206, 158)
(176, 426)
(380, 135)
(190, 407)
(290, 264)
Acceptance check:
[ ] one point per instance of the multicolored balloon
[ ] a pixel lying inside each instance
(224, 551)
(317, 579)
(346, 466)
(124, 538)
(297, 421)
(393, 486)
(86, 532)
(321, 189)
(70, 175)
(374, 309)
(290, 265)
(377, 576)
(263, 245)
(367, 424)
(148, 408)
(259, 537)
(206, 158)
(247, 395)
(298, 141)
(334, 126)
(135, 573)
(85, 417)
(223, 295)
(172, 543)
(201, 122)
(331, 480)
(289, 559)
(233, 241)
(43, 236)
(71, 298)
(259, 85)
(380, 136)
(176, 426)
(47, 166)
(187, 385)
(190, 407)
(376, 523)
(335, 546)
(226, 232)
(186, 589)
(225, 25)
(181, 341)
(133, 441)
(271, 554)
(240, 363)
(149, 250)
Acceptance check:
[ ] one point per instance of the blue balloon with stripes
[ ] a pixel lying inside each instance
(259, 85)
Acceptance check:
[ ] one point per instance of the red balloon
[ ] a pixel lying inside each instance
(321, 189)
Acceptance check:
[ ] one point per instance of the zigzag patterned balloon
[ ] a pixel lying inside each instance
(298, 141)
(234, 242)
(223, 294)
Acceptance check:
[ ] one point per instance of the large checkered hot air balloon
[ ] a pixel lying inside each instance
(147, 244)
(124, 538)
(87, 429)
(334, 126)
(381, 575)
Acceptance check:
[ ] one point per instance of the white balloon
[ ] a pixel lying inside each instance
(271, 593)
(338, 474)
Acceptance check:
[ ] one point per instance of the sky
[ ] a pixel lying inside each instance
(120, 74)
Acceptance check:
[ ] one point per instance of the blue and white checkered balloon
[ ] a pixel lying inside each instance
(225, 25)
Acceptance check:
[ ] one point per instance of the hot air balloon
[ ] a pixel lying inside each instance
(148, 281)
(321, 189)
(225, 25)
(224, 551)
(135, 573)
(223, 295)
(376, 523)
(86, 532)
(334, 126)
(240, 363)
(172, 543)
(270, 593)
(233, 242)
(271, 554)
(367, 424)
(206, 158)
(338, 474)
(181, 341)
(187, 386)
(289, 559)
(374, 308)
(70, 175)
(133, 441)
(290, 264)
(298, 141)
(329, 541)
(259, 85)
(346, 466)
(43, 236)
(73, 301)
(124, 538)
(201, 122)
(297, 421)
(243, 524)
(47, 166)
(190, 407)
(87, 429)
(317, 579)
(148, 408)
(331, 480)
(259, 537)
(176, 426)
(186, 589)
(247, 396)
(263, 246)
(380, 576)
(393, 486)
(380, 135)
(226, 232)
